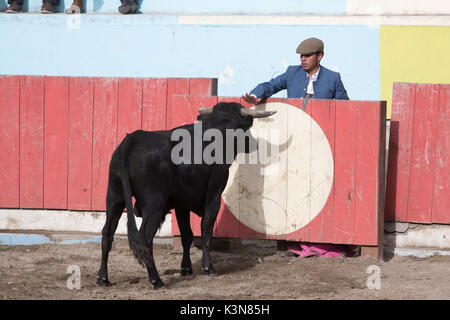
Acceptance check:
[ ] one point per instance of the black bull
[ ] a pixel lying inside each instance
(143, 166)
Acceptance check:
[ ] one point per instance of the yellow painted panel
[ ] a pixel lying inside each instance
(418, 54)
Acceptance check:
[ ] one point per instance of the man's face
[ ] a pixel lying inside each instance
(310, 61)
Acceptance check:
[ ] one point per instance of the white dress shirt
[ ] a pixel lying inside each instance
(310, 88)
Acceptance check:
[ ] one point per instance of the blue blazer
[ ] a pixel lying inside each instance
(327, 86)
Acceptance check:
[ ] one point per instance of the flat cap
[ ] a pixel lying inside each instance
(309, 46)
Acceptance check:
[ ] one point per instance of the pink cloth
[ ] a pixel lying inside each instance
(305, 250)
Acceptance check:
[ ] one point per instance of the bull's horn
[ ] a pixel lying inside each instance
(205, 110)
(257, 113)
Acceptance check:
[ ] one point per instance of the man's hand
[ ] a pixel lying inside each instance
(251, 98)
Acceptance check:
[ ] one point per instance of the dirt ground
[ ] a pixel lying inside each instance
(254, 270)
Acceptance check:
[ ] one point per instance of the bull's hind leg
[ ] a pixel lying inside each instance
(207, 226)
(183, 219)
(151, 220)
(114, 208)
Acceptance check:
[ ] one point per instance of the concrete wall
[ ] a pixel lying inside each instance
(242, 43)
(241, 56)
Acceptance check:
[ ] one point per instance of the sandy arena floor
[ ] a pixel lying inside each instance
(255, 270)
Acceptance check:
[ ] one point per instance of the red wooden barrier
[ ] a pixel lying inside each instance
(353, 212)
(58, 133)
(9, 141)
(61, 132)
(31, 142)
(81, 115)
(418, 170)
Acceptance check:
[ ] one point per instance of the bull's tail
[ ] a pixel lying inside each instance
(135, 237)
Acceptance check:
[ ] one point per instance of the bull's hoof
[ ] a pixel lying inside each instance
(104, 282)
(158, 284)
(186, 272)
(210, 271)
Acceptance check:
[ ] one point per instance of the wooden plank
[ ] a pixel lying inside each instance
(9, 142)
(367, 176)
(422, 154)
(56, 100)
(185, 108)
(375, 252)
(154, 104)
(441, 187)
(399, 158)
(345, 171)
(262, 184)
(129, 107)
(175, 86)
(244, 231)
(382, 179)
(104, 137)
(321, 228)
(31, 141)
(203, 86)
(299, 180)
(81, 109)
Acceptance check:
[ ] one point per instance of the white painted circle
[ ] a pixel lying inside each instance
(287, 193)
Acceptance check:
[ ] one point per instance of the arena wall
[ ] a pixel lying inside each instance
(371, 43)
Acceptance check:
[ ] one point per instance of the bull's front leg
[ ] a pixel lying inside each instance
(207, 226)
(184, 224)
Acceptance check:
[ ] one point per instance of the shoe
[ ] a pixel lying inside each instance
(14, 8)
(76, 7)
(48, 7)
(128, 6)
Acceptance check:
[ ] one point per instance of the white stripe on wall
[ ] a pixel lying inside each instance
(370, 20)
(398, 7)
(73, 221)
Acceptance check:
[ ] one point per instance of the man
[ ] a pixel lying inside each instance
(308, 80)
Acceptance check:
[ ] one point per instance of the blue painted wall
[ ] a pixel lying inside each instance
(241, 56)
